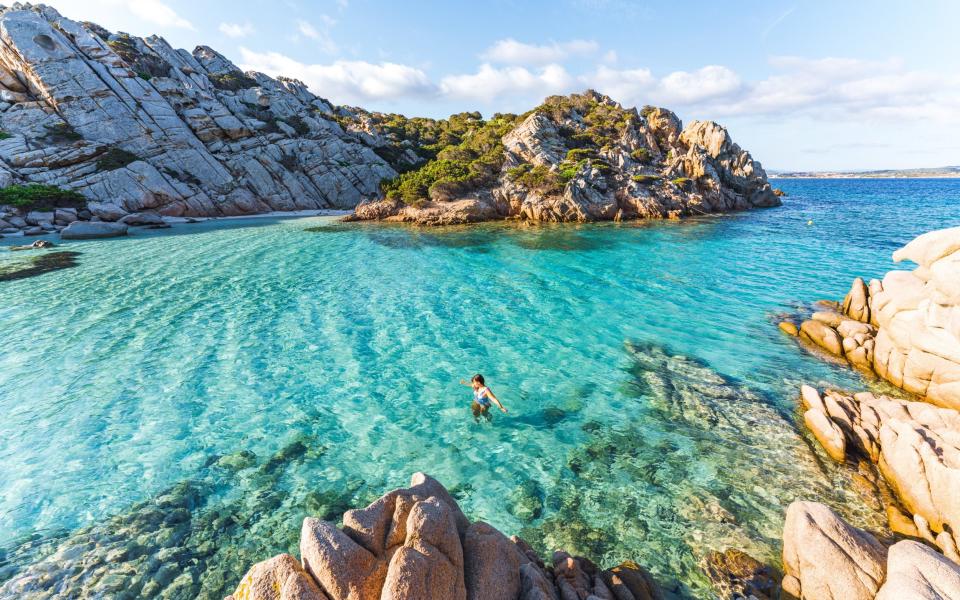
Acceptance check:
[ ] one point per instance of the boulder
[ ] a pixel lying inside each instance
(429, 565)
(916, 572)
(344, 569)
(855, 304)
(535, 584)
(278, 578)
(789, 328)
(822, 335)
(810, 398)
(142, 219)
(37, 217)
(88, 230)
(630, 581)
(491, 564)
(827, 433)
(827, 559)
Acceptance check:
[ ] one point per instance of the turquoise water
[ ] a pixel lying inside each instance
(257, 371)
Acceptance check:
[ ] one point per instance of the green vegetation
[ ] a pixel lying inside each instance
(641, 155)
(115, 158)
(471, 160)
(682, 182)
(4, 135)
(35, 196)
(538, 178)
(298, 124)
(646, 179)
(232, 81)
(145, 65)
(61, 132)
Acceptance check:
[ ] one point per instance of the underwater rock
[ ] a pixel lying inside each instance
(38, 265)
(736, 574)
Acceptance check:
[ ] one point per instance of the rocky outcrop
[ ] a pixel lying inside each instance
(136, 125)
(825, 558)
(88, 230)
(416, 544)
(905, 328)
(916, 447)
(585, 158)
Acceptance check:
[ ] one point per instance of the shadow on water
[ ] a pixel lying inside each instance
(38, 265)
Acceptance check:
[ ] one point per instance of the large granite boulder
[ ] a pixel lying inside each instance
(916, 572)
(918, 313)
(89, 230)
(415, 543)
(825, 558)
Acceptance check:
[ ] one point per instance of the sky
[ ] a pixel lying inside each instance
(802, 85)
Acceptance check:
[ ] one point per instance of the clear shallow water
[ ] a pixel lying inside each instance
(322, 360)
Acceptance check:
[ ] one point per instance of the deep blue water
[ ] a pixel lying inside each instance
(156, 355)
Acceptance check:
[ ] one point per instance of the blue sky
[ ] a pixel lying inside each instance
(802, 85)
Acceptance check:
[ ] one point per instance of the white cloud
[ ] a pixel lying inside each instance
(321, 36)
(489, 82)
(110, 12)
(236, 30)
(510, 51)
(345, 81)
(154, 11)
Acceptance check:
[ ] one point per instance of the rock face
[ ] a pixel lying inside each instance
(916, 447)
(136, 125)
(88, 230)
(416, 544)
(828, 559)
(905, 328)
(585, 158)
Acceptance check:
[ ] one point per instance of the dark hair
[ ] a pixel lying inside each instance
(479, 379)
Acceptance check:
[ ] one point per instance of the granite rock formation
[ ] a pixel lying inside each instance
(416, 544)
(905, 328)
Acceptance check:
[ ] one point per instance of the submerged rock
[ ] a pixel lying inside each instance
(736, 574)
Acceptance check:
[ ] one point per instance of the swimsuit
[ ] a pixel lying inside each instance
(480, 397)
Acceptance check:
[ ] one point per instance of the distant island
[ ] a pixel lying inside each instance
(937, 172)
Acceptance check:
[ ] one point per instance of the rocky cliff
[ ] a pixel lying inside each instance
(905, 328)
(135, 126)
(574, 158)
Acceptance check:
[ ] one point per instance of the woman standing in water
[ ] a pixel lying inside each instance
(482, 395)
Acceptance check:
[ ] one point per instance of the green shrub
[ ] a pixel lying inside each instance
(298, 124)
(35, 196)
(144, 75)
(641, 155)
(115, 158)
(61, 132)
(4, 135)
(578, 154)
(232, 81)
(645, 179)
(538, 178)
(472, 159)
(682, 182)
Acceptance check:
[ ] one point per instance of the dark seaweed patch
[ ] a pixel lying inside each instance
(38, 265)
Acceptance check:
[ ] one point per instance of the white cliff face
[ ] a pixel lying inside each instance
(135, 125)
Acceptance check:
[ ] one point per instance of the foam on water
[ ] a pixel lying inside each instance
(136, 370)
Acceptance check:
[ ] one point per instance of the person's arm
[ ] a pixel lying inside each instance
(465, 382)
(497, 402)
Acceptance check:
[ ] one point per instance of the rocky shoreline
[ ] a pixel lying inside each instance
(188, 134)
(903, 329)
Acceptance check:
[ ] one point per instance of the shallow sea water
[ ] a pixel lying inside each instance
(243, 374)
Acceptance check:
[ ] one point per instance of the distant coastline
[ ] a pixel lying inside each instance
(926, 173)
